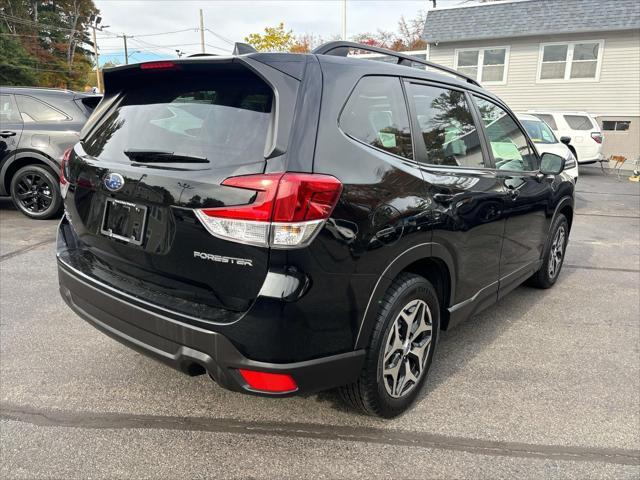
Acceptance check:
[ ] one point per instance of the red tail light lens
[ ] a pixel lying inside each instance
(287, 212)
(163, 65)
(269, 382)
(63, 166)
(597, 136)
(64, 181)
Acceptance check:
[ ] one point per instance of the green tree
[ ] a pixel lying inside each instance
(15, 61)
(55, 35)
(274, 39)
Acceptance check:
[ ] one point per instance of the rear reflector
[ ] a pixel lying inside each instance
(287, 212)
(164, 65)
(269, 382)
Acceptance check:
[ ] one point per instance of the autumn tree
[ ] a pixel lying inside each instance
(274, 39)
(54, 34)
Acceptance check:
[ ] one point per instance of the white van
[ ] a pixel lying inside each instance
(546, 141)
(586, 137)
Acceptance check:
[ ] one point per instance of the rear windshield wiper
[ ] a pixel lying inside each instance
(161, 156)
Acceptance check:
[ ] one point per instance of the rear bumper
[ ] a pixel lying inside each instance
(190, 349)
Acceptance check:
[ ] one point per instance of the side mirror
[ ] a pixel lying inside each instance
(566, 140)
(551, 164)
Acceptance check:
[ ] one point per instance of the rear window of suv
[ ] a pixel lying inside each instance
(223, 118)
(578, 122)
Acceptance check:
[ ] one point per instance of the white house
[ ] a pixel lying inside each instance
(569, 55)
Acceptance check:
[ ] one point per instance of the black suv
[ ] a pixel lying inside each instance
(36, 126)
(293, 223)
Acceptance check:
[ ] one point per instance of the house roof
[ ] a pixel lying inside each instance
(529, 17)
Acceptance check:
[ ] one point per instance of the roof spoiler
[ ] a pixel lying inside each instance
(242, 48)
(341, 48)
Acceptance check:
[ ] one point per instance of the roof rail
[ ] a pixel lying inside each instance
(341, 48)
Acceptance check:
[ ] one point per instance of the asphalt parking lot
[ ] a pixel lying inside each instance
(545, 384)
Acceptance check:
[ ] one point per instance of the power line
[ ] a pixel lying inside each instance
(224, 39)
(162, 33)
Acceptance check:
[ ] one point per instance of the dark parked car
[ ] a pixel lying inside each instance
(293, 223)
(36, 126)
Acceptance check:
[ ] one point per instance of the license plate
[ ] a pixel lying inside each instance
(125, 221)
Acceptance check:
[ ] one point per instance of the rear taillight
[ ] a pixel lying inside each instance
(269, 382)
(597, 136)
(64, 181)
(287, 212)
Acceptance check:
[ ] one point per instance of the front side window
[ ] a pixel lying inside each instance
(548, 119)
(488, 65)
(569, 61)
(34, 110)
(376, 114)
(508, 142)
(539, 131)
(447, 127)
(578, 122)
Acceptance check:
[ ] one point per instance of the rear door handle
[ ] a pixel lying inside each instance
(7, 133)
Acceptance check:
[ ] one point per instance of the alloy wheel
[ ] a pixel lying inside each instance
(407, 348)
(556, 253)
(34, 192)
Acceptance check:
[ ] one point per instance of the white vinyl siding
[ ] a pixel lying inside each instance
(615, 93)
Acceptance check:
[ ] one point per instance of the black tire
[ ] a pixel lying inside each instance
(36, 193)
(370, 393)
(545, 278)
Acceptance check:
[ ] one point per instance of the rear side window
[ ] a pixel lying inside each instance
(34, 110)
(446, 123)
(222, 119)
(376, 114)
(548, 119)
(578, 122)
(8, 111)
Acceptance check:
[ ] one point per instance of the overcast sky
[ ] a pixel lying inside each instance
(233, 20)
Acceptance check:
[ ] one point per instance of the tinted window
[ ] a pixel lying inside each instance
(548, 119)
(446, 123)
(8, 111)
(616, 125)
(223, 118)
(539, 131)
(578, 122)
(508, 142)
(376, 114)
(34, 110)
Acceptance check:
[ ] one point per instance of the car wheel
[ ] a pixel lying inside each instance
(554, 254)
(400, 350)
(35, 192)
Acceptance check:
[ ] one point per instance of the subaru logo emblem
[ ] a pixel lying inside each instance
(113, 181)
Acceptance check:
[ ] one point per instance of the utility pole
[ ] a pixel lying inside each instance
(201, 31)
(344, 19)
(95, 21)
(126, 52)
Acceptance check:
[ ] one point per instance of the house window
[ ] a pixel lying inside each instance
(487, 65)
(577, 61)
(616, 125)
